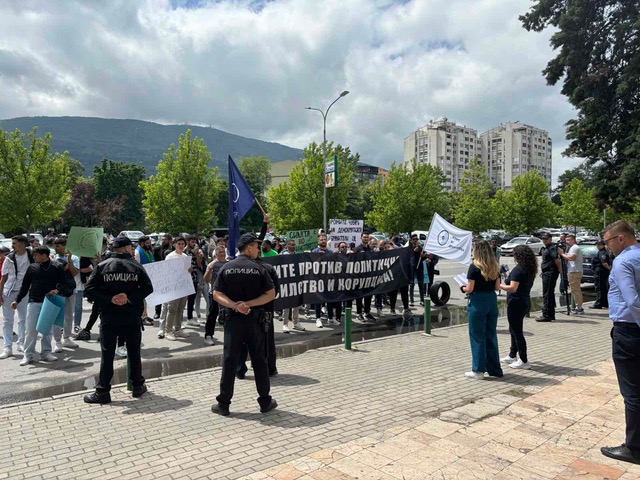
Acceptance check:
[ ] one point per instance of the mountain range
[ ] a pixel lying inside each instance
(89, 140)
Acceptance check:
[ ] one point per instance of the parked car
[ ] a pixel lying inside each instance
(534, 242)
(589, 251)
(6, 242)
(134, 235)
(378, 236)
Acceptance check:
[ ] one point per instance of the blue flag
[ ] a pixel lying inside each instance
(241, 200)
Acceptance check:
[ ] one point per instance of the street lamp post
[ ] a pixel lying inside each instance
(324, 149)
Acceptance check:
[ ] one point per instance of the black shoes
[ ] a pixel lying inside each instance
(269, 407)
(622, 453)
(220, 409)
(274, 373)
(595, 307)
(240, 376)
(96, 397)
(139, 391)
(83, 334)
(544, 319)
(147, 322)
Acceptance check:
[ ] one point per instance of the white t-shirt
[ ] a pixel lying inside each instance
(186, 259)
(575, 265)
(14, 283)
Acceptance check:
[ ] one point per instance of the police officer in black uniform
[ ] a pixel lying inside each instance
(242, 289)
(119, 286)
(601, 265)
(551, 267)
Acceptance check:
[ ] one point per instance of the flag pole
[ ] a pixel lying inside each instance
(260, 207)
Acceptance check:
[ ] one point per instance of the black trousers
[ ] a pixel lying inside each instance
(626, 358)
(129, 330)
(158, 309)
(238, 331)
(549, 280)
(601, 282)
(517, 308)
(191, 302)
(93, 316)
(419, 276)
(367, 304)
(404, 297)
(270, 353)
(212, 316)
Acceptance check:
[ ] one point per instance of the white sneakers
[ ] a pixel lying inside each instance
(20, 348)
(57, 347)
(208, 340)
(26, 361)
(474, 375)
(333, 321)
(515, 362)
(285, 329)
(68, 343)
(180, 334)
(121, 351)
(193, 322)
(170, 336)
(319, 323)
(6, 353)
(48, 357)
(298, 327)
(520, 364)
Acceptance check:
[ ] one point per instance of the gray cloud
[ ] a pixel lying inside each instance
(251, 67)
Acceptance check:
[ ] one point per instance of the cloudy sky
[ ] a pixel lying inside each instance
(250, 67)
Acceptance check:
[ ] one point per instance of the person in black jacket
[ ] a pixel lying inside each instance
(42, 278)
(601, 265)
(119, 285)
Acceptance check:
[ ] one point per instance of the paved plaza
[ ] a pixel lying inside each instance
(393, 408)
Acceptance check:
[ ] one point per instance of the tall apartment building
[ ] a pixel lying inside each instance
(443, 144)
(514, 149)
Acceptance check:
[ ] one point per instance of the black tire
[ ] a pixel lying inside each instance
(440, 293)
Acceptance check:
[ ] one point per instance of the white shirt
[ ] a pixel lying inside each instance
(575, 265)
(14, 283)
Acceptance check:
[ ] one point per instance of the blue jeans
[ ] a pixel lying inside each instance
(77, 308)
(483, 321)
(58, 332)
(9, 315)
(31, 334)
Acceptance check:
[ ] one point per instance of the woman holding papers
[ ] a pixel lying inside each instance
(518, 287)
(483, 279)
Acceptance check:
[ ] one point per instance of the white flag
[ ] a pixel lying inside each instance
(448, 241)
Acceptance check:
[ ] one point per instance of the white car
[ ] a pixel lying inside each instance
(534, 242)
(133, 235)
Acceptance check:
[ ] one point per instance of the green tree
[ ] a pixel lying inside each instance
(257, 172)
(578, 206)
(582, 172)
(297, 203)
(598, 63)
(120, 181)
(526, 206)
(472, 208)
(360, 200)
(34, 183)
(181, 196)
(407, 199)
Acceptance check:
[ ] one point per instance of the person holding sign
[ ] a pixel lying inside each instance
(119, 285)
(483, 280)
(42, 278)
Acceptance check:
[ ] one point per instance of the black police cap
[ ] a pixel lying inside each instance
(246, 239)
(120, 242)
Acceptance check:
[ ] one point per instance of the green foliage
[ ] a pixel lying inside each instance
(257, 172)
(598, 63)
(472, 208)
(360, 200)
(526, 206)
(579, 206)
(34, 183)
(120, 182)
(582, 172)
(297, 203)
(181, 196)
(407, 199)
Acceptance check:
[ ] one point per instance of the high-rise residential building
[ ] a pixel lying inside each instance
(513, 149)
(443, 144)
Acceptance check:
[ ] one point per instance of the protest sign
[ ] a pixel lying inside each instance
(308, 278)
(448, 241)
(51, 313)
(348, 231)
(305, 239)
(170, 279)
(85, 242)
